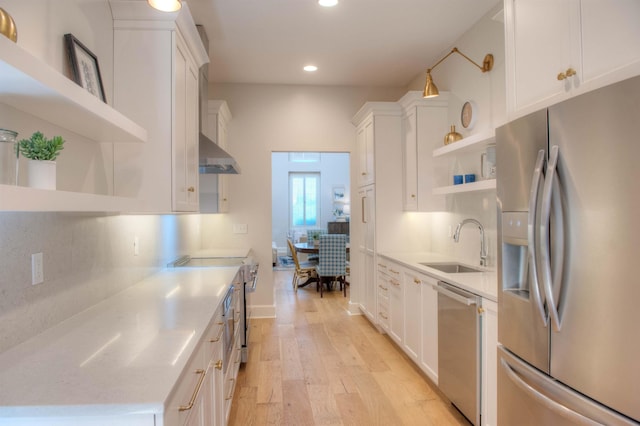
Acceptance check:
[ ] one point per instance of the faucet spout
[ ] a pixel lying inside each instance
(483, 246)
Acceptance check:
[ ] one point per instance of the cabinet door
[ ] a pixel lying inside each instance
(610, 39)
(185, 135)
(365, 150)
(489, 398)
(429, 317)
(223, 180)
(410, 160)
(412, 315)
(537, 53)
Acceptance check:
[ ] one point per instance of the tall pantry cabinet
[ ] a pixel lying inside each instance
(379, 179)
(157, 57)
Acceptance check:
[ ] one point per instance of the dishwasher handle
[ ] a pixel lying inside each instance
(456, 294)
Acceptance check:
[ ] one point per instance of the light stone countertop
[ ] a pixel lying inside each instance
(121, 356)
(483, 284)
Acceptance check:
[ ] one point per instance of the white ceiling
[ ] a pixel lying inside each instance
(357, 43)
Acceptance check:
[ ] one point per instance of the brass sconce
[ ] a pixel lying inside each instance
(165, 5)
(430, 89)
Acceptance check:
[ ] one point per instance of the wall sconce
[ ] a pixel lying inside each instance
(430, 89)
(165, 5)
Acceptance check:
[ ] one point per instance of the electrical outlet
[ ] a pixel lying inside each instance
(240, 228)
(136, 246)
(37, 269)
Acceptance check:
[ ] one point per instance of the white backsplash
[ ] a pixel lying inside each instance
(87, 258)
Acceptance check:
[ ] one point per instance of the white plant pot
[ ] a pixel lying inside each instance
(41, 174)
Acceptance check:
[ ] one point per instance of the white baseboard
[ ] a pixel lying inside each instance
(354, 308)
(262, 311)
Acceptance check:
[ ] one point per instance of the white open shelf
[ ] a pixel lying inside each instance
(32, 86)
(482, 185)
(471, 143)
(21, 198)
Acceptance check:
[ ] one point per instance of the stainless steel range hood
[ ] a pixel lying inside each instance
(214, 159)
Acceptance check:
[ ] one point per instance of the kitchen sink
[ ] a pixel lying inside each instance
(450, 268)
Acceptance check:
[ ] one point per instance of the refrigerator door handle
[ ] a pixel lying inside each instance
(551, 186)
(545, 400)
(531, 235)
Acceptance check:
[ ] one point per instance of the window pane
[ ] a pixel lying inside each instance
(311, 200)
(305, 205)
(297, 201)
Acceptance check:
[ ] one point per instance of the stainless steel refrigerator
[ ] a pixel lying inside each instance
(568, 186)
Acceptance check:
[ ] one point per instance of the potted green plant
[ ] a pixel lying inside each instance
(41, 153)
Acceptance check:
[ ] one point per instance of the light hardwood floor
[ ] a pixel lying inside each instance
(316, 365)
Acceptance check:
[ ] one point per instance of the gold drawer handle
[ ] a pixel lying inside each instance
(396, 283)
(221, 324)
(570, 72)
(191, 189)
(413, 195)
(416, 281)
(195, 392)
(233, 388)
(394, 271)
(382, 266)
(219, 365)
(384, 288)
(383, 315)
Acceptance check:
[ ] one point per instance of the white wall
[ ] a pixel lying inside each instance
(334, 171)
(270, 118)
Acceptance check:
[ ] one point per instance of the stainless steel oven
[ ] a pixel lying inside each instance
(228, 317)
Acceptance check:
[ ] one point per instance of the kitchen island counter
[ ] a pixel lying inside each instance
(123, 356)
(484, 284)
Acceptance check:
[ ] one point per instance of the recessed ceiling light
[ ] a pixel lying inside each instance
(310, 68)
(327, 3)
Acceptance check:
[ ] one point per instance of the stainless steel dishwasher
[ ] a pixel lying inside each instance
(459, 349)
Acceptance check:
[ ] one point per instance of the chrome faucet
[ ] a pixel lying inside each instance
(483, 246)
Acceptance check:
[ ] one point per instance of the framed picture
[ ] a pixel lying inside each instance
(338, 193)
(84, 65)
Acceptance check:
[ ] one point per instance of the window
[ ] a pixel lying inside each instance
(304, 189)
(304, 157)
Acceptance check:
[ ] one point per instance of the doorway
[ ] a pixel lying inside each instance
(310, 192)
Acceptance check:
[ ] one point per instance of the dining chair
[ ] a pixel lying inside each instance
(332, 263)
(303, 270)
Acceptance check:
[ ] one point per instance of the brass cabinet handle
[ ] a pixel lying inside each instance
(395, 282)
(480, 310)
(194, 396)
(191, 189)
(384, 288)
(382, 266)
(364, 174)
(383, 315)
(413, 195)
(570, 72)
(219, 365)
(416, 281)
(221, 324)
(232, 389)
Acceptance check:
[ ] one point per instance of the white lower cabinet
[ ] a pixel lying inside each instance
(429, 320)
(489, 403)
(412, 314)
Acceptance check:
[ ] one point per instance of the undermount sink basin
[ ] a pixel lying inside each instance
(450, 268)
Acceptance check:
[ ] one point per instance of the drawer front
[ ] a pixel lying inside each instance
(213, 339)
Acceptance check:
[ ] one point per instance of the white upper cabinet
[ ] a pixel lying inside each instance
(557, 49)
(365, 152)
(157, 56)
(424, 122)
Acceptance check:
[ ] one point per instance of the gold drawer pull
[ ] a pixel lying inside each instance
(394, 271)
(219, 365)
(395, 282)
(416, 281)
(191, 189)
(233, 388)
(195, 392)
(221, 324)
(382, 266)
(570, 72)
(383, 315)
(384, 288)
